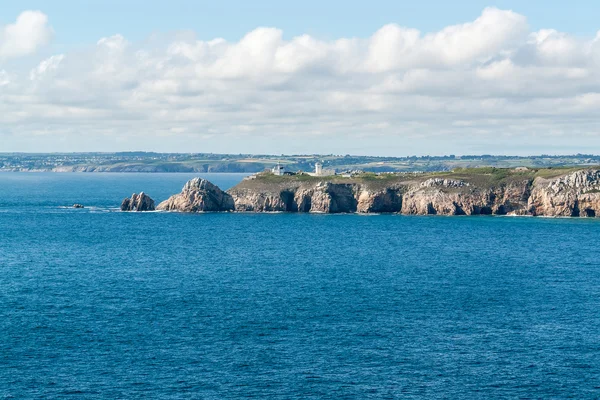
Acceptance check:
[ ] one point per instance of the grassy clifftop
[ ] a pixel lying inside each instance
(490, 176)
(477, 177)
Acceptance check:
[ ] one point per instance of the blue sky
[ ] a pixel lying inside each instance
(79, 22)
(377, 77)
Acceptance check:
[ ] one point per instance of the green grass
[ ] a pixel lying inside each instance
(270, 177)
(553, 172)
(371, 176)
(482, 177)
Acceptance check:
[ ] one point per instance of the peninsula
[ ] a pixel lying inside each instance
(564, 192)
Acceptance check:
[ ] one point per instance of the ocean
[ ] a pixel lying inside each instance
(100, 304)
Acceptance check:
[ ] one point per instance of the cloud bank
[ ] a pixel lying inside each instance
(486, 86)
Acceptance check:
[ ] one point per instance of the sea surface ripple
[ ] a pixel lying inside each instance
(95, 303)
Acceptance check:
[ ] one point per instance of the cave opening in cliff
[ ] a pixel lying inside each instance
(287, 198)
(485, 211)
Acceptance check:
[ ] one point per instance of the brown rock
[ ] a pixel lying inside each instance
(198, 195)
(138, 202)
(572, 195)
(517, 193)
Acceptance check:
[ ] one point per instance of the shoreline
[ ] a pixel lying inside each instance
(115, 209)
(512, 192)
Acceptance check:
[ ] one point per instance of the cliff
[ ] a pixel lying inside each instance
(483, 191)
(542, 192)
(573, 195)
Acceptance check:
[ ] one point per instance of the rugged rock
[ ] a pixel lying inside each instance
(388, 200)
(322, 197)
(469, 192)
(247, 200)
(574, 195)
(439, 182)
(433, 196)
(77, 205)
(446, 200)
(326, 197)
(138, 202)
(198, 195)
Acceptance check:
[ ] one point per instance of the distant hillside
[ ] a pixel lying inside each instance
(250, 163)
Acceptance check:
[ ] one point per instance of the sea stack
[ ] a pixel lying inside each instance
(198, 195)
(138, 202)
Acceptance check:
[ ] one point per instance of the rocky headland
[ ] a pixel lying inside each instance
(411, 194)
(483, 191)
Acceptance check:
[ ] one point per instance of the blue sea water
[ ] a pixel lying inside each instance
(95, 303)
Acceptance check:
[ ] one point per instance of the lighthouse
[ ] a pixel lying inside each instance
(318, 169)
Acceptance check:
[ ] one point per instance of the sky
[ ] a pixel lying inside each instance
(391, 78)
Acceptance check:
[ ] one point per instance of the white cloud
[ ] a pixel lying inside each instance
(394, 47)
(557, 48)
(46, 67)
(30, 32)
(490, 34)
(116, 43)
(476, 87)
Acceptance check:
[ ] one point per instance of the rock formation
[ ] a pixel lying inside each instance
(322, 197)
(198, 195)
(468, 192)
(573, 195)
(138, 202)
(77, 205)
(503, 199)
(326, 197)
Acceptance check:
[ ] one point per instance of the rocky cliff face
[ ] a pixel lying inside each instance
(138, 202)
(322, 197)
(461, 198)
(435, 196)
(571, 194)
(326, 197)
(198, 195)
(388, 200)
(248, 200)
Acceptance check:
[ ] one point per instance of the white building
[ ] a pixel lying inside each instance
(278, 170)
(318, 169)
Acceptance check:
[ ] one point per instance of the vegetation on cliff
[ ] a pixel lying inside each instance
(519, 191)
(484, 177)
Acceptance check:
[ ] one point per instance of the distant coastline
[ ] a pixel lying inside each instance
(131, 169)
(147, 162)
